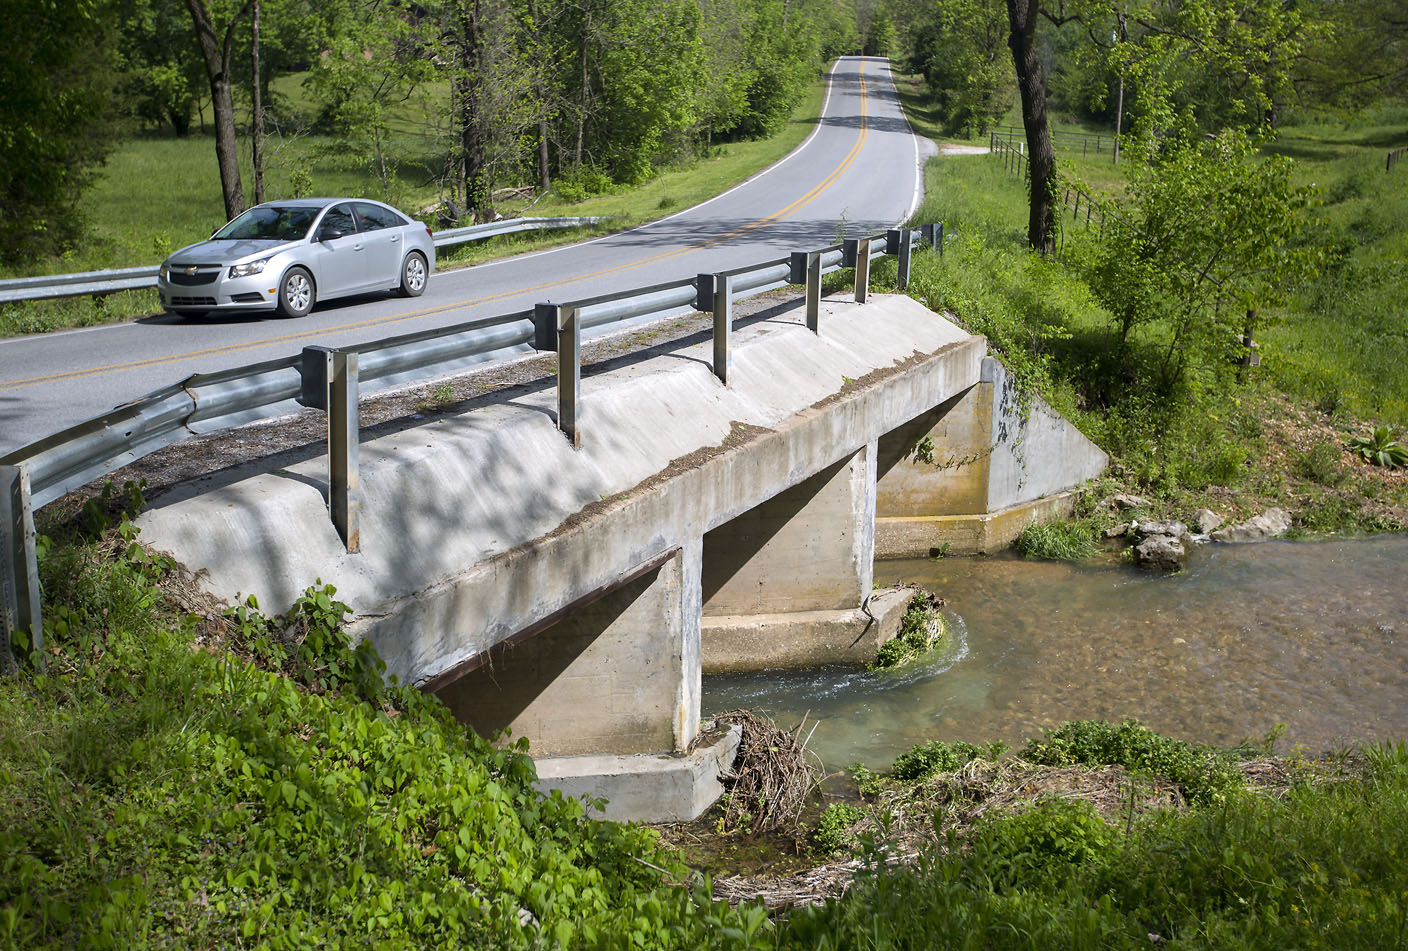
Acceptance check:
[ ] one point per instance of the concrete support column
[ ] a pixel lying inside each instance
(809, 548)
(617, 675)
(788, 583)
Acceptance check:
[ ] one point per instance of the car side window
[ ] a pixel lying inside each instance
(375, 217)
(338, 218)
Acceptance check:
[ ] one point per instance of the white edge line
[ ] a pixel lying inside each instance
(918, 160)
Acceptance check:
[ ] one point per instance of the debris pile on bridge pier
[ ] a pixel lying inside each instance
(772, 776)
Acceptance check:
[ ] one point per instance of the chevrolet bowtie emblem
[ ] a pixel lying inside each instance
(190, 271)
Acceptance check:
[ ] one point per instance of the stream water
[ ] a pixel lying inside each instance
(1310, 634)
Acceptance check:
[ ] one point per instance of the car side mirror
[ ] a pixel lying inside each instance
(328, 232)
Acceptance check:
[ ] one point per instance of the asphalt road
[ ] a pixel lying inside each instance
(861, 169)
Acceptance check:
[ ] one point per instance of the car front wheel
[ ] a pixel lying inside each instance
(296, 293)
(414, 274)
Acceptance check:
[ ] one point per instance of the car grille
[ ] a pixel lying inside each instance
(251, 298)
(204, 275)
(192, 302)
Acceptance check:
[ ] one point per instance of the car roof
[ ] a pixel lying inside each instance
(319, 202)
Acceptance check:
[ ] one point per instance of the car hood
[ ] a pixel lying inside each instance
(229, 252)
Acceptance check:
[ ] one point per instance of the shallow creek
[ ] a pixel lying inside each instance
(1310, 634)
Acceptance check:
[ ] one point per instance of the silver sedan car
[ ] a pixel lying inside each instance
(285, 255)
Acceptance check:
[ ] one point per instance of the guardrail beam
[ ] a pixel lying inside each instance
(21, 621)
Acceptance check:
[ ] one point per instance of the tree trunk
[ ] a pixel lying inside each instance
(470, 93)
(1041, 156)
(217, 68)
(256, 124)
(1250, 358)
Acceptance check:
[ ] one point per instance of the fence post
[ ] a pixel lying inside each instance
(20, 605)
(330, 384)
(716, 294)
(569, 374)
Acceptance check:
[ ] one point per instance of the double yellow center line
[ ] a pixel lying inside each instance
(780, 215)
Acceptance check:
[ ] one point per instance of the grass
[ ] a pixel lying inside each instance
(1320, 866)
(158, 193)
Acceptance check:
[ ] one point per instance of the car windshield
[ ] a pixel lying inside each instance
(276, 222)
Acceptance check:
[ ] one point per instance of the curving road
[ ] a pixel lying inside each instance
(861, 166)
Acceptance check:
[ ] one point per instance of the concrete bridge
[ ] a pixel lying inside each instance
(575, 596)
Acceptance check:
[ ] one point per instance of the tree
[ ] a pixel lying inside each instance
(1023, 16)
(56, 120)
(216, 49)
(962, 52)
(161, 70)
(1210, 236)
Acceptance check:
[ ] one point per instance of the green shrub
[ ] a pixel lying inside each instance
(920, 762)
(833, 828)
(1205, 773)
(278, 795)
(1060, 540)
(921, 629)
(1321, 464)
(1047, 841)
(1381, 447)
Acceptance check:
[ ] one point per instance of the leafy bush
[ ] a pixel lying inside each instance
(1381, 447)
(1205, 773)
(920, 762)
(1060, 540)
(1321, 464)
(921, 628)
(1046, 841)
(279, 795)
(832, 829)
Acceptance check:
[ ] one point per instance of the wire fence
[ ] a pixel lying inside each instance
(1089, 143)
(1395, 157)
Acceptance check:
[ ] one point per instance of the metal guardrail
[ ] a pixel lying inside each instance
(317, 377)
(98, 283)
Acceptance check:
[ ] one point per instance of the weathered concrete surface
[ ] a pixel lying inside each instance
(477, 526)
(735, 643)
(605, 679)
(668, 787)
(921, 536)
(995, 470)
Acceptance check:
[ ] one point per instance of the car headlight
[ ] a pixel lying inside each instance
(166, 272)
(245, 270)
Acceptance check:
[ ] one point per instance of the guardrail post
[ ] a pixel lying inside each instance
(569, 374)
(330, 384)
(900, 242)
(862, 269)
(716, 294)
(814, 291)
(20, 617)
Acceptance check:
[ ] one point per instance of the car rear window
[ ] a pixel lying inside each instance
(272, 222)
(375, 217)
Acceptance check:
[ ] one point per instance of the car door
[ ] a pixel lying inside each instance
(339, 256)
(381, 235)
